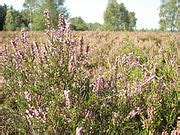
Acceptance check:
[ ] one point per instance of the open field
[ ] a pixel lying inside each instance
(105, 43)
(102, 37)
(127, 83)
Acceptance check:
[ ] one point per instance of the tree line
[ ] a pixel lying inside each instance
(116, 16)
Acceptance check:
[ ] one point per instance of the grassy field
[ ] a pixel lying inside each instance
(112, 55)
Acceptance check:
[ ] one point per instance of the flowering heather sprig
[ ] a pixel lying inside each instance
(151, 113)
(61, 23)
(33, 54)
(173, 60)
(14, 45)
(79, 131)
(115, 118)
(88, 114)
(47, 20)
(110, 84)
(147, 81)
(134, 113)
(68, 24)
(73, 60)
(24, 36)
(136, 63)
(144, 71)
(68, 35)
(127, 59)
(28, 96)
(18, 55)
(99, 84)
(81, 45)
(67, 96)
(61, 28)
(36, 113)
(38, 51)
(5, 53)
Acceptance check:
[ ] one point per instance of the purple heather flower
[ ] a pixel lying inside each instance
(99, 84)
(67, 97)
(133, 113)
(28, 96)
(79, 131)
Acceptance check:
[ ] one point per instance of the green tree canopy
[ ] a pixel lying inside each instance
(78, 24)
(117, 17)
(3, 10)
(36, 8)
(38, 21)
(131, 21)
(26, 18)
(10, 20)
(170, 15)
(13, 19)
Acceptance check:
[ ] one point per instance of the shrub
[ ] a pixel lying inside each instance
(49, 88)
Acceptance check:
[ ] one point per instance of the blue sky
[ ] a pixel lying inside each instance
(147, 11)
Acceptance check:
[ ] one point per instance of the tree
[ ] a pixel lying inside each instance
(170, 15)
(38, 21)
(31, 6)
(10, 20)
(78, 24)
(17, 19)
(3, 10)
(13, 19)
(132, 21)
(36, 8)
(117, 17)
(25, 18)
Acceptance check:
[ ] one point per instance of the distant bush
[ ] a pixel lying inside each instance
(78, 24)
(94, 26)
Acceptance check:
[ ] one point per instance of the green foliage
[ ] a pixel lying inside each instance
(10, 20)
(132, 21)
(78, 23)
(94, 26)
(26, 18)
(169, 16)
(3, 10)
(17, 19)
(117, 17)
(13, 20)
(38, 21)
(36, 8)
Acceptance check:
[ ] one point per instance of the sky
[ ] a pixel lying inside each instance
(147, 11)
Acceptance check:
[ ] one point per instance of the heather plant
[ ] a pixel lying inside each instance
(46, 82)
(56, 86)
